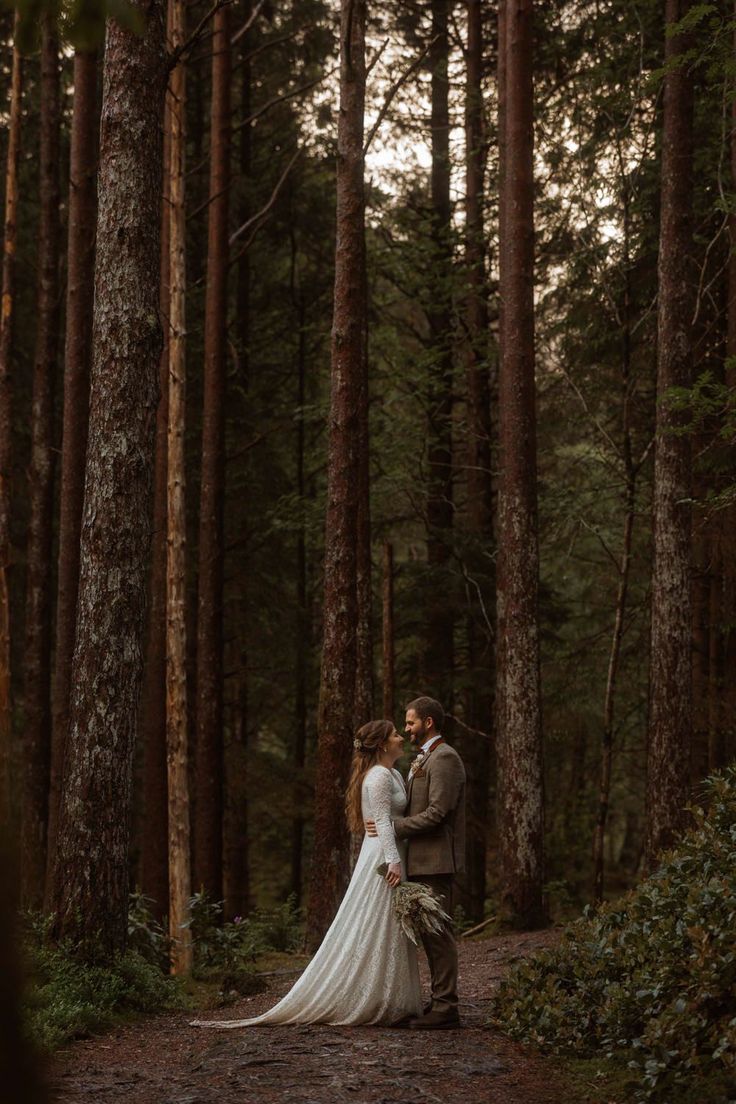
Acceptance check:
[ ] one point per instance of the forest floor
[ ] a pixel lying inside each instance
(161, 1060)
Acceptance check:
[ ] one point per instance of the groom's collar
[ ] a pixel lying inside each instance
(426, 747)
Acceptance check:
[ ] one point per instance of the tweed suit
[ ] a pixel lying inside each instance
(434, 826)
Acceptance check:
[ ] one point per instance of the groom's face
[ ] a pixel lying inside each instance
(416, 728)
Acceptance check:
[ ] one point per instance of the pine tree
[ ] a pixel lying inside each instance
(10, 234)
(90, 891)
(209, 709)
(77, 354)
(521, 810)
(670, 702)
(337, 686)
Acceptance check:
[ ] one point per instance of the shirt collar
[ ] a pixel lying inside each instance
(430, 743)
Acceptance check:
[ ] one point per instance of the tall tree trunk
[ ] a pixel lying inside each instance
(180, 882)
(90, 893)
(77, 357)
(364, 625)
(236, 853)
(439, 650)
(700, 648)
(630, 474)
(670, 700)
(330, 858)
(728, 523)
(606, 762)
(209, 818)
(10, 235)
(302, 625)
(37, 656)
(474, 748)
(21, 1073)
(717, 749)
(521, 812)
(364, 589)
(388, 631)
(154, 834)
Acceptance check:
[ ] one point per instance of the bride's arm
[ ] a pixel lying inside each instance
(379, 786)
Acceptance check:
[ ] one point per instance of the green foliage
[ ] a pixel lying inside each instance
(71, 999)
(228, 950)
(650, 980)
(145, 935)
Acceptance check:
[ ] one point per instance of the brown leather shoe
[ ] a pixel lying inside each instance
(436, 1021)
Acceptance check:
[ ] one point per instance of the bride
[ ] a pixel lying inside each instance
(365, 970)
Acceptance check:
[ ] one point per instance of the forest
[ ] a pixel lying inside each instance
(348, 353)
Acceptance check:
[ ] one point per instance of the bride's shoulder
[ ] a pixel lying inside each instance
(377, 768)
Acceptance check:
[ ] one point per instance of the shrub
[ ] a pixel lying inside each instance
(70, 999)
(223, 951)
(652, 978)
(145, 934)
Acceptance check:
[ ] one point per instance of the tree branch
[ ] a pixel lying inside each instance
(264, 210)
(392, 92)
(175, 56)
(280, 99)
(248, 23)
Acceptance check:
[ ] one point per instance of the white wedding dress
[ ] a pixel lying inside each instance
(365, 971)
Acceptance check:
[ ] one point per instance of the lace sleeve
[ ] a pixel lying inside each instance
(379, 788)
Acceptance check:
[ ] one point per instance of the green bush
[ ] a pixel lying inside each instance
(70, 999)
(145, 934)
(650, 979)
(228, 951)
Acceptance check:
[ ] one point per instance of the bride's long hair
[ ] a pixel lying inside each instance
(367, 748)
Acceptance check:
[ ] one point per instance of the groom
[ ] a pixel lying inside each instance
(434, 826)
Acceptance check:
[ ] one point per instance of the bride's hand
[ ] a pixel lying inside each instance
(393, 875)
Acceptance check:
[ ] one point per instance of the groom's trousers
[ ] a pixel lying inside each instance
(440, 947)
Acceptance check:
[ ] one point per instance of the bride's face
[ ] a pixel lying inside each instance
(394, 747)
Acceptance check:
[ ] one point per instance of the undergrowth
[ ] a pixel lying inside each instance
(650, 981)
(68, 998)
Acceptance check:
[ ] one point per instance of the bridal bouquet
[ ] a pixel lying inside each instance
(416, 908)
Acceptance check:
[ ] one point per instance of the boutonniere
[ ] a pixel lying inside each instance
(416, 763)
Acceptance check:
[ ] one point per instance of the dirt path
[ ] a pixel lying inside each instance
(164, 1061)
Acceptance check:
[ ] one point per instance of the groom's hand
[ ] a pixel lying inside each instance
(370, 828)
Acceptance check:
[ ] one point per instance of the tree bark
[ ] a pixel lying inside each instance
(208, 836)
(180, 881)
(330, 859)
(630, 473)
(90, 896)
(236, 849)
(7, 311)
(77, 356)
(302, 620)
(388, 631)
(670, 695)
(21, 1074)
(521, 811)
(478, 698)
(439, 649)
(728, 523)
(37, 654)
(154, 834)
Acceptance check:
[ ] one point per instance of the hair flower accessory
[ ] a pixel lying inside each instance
(357, 744)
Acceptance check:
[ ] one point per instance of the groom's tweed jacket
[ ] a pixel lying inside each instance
(434, 823)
